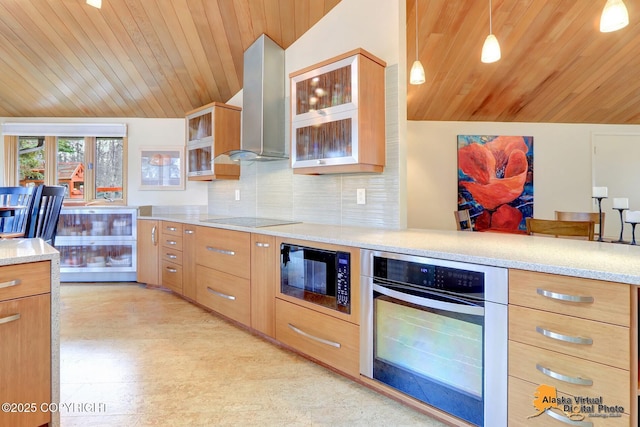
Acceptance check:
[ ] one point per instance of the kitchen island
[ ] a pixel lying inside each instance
(608, 273)
(29, 332)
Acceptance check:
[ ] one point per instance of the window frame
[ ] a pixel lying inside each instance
(11, 178)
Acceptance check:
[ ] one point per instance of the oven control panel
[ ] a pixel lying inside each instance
(429, 275)
(343, 279)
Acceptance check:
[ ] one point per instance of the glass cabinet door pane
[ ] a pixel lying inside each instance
(200, 127)
(323, 91)
(96, 256)
(200, 159)
(94, 224)
(324, 141)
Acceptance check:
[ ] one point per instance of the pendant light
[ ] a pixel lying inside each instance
(491, 47)
(614, 16)
(95, 3)
(416, 77)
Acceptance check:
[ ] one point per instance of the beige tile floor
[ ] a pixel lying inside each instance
(132, 356)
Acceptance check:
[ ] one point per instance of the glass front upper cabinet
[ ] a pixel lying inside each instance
(337, 115)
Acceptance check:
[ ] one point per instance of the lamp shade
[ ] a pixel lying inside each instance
(490, 50)
(95, 3)
(416, 77)
(614, 16)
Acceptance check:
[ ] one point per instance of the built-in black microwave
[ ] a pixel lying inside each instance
(319, 276)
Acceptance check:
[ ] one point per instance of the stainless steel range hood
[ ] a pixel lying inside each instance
(263, 103)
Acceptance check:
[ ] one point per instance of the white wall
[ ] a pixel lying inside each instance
(562, 168)
(142, 133)
(271, 189)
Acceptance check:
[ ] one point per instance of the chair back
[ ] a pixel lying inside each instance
(47, 207)
(583, 216)
(463, 220)
(558, 228)
(15, 225)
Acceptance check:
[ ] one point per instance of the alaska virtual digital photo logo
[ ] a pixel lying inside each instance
(576, 408)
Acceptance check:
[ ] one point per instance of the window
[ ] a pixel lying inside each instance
(91, 168)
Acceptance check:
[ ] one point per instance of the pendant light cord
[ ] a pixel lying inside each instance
(490, 26)
(416, 30)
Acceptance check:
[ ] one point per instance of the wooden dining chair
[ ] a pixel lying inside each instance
(558, 228)
(14, 224)
(583, 216)
(463, 220)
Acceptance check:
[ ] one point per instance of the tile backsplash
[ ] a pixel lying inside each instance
(272, 190)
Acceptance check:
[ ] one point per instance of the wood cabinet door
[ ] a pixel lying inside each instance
(189, 261)
(25, 353)
(148, 243)
(264, 258)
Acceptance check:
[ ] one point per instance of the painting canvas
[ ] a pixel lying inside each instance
(495, 181)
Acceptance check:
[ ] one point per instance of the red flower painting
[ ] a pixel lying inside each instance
(495, 180)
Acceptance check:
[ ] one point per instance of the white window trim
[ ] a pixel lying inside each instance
(65, 129)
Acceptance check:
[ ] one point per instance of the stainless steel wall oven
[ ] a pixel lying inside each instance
(437, 330)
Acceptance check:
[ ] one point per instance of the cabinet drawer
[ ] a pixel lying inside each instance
(609, 343)
(224, 250)
(172, 276)
(171, 255)
(25, 371)
(171, 228)
(528, 363)
(325, 338)
(171, 241)
(591, 299)
(224, 293)
(522, 410)
(21, 280)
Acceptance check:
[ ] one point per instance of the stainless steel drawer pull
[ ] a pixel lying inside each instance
(221, 295)
(171, 270)
(220, 251)
(564, 297)
(10, 283)
(153, 235)
(172, 229)
(567, 379)
(262, 245)
(172, 256)
(11, 318)
(189, 231)
(567, 420)
(565, 338)
(172, 242)
(320, 340)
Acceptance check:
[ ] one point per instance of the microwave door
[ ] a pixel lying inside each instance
(320, 271)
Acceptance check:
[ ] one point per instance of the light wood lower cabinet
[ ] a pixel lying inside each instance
(264, 261)
(148, 238)
(189, 261)
(325, 338)
(25, 342)
(171, 244)
(224, 293)
(573, 336)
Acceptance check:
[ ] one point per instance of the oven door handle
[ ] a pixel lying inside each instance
(431, 303)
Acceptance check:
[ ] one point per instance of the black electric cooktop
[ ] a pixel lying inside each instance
(251, 222)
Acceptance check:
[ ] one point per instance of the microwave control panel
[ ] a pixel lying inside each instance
(343, 285)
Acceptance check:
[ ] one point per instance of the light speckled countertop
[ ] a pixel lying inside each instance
(595, 260)
(18, 251)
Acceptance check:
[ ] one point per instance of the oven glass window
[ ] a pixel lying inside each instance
(443, 347)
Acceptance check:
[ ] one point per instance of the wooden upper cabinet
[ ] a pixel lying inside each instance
(212, 130)
(338, 115)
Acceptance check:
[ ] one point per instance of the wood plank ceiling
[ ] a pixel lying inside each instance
(556, 66)
(135, 58)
